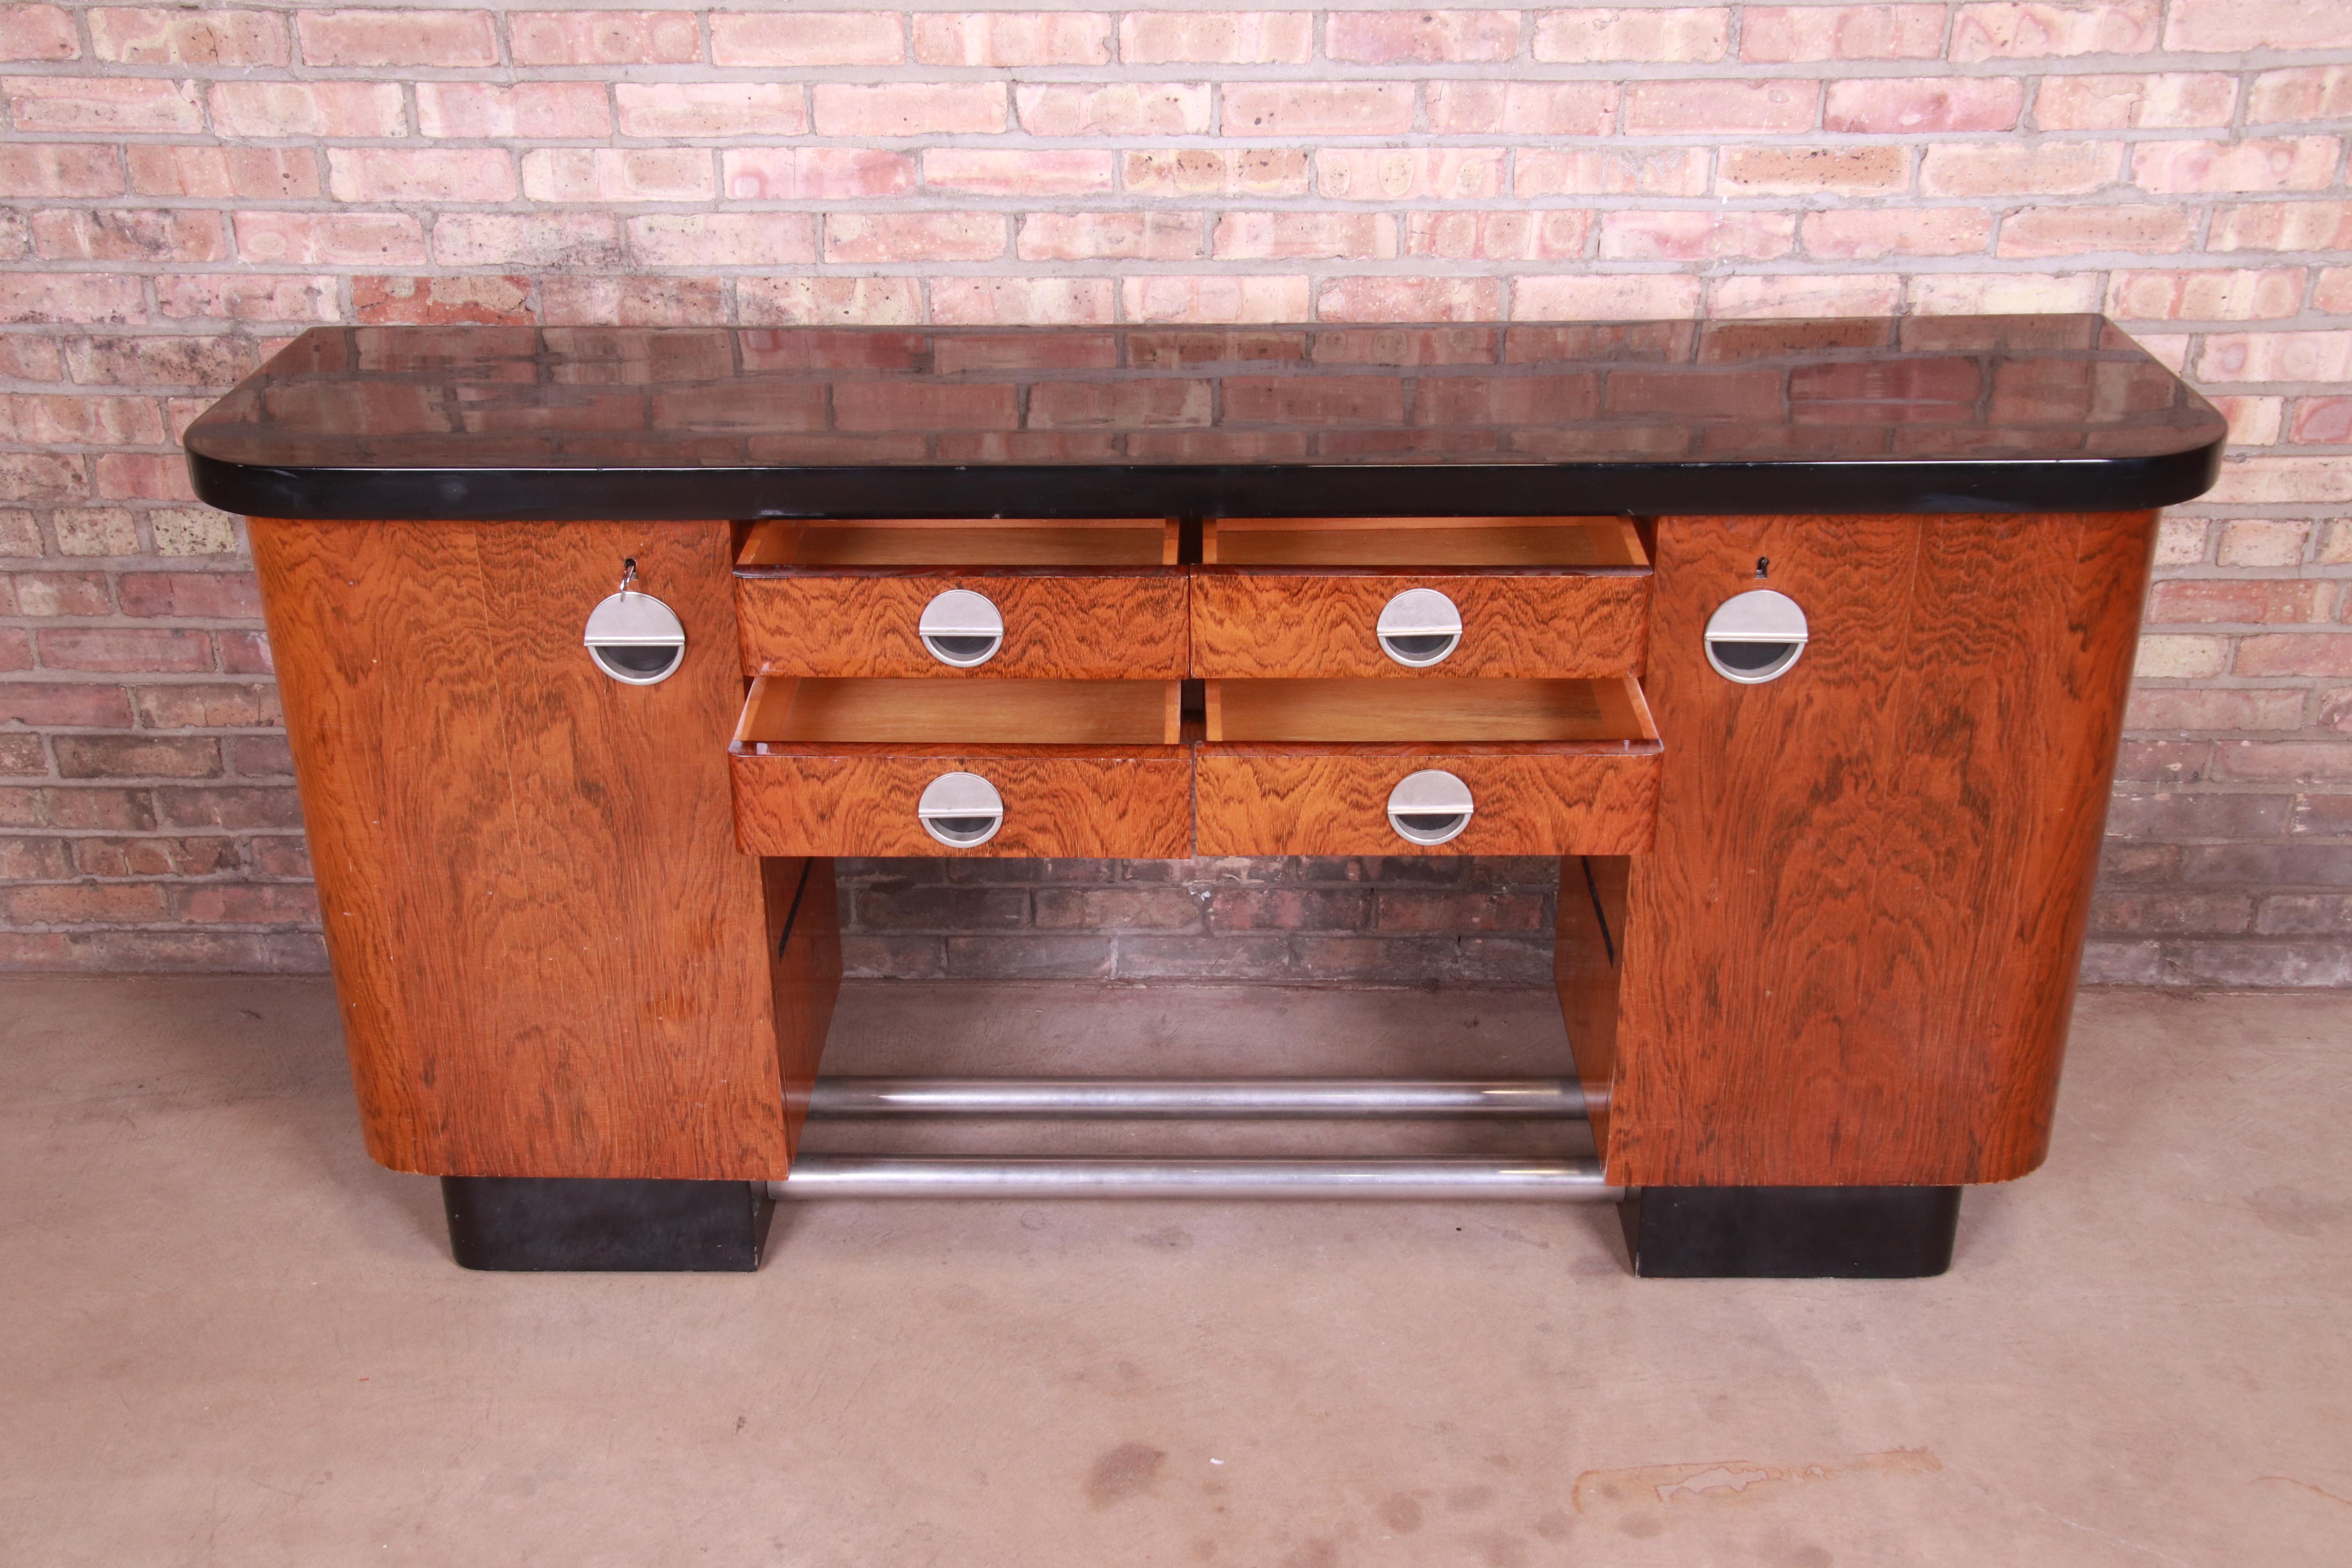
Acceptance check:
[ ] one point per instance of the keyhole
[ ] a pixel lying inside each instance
(1763, 566)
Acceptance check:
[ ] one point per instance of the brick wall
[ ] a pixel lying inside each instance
(181, 189)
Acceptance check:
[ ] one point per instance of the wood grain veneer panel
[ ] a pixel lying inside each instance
(1253, 623)
(1850, 956)
(1530, 800)
(1097, 625)
(1133, 806)
(544, 942)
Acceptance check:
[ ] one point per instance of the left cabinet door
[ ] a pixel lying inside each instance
(547, 949)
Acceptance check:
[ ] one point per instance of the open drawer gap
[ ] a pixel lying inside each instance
(797, 714)
(1607, 710)
(1422, 541)
(1083, 543)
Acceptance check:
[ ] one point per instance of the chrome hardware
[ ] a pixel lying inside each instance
(634, 638)
(961, 629)
(1419, 627)
(1756, 637)
(960, 810)
(1430, 807)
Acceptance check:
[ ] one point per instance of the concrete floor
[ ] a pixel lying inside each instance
(226, 1338)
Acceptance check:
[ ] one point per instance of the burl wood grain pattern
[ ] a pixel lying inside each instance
(1851, 955)
(859, 798)
(545, 945)
(1531, 799)
(1069, 624)
(804, 930)
(1588, 964)
(1255, 622)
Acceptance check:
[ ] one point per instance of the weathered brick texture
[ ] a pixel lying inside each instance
(182, 188)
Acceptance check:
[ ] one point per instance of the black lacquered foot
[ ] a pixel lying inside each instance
(592, 1225)
(1790, 1233)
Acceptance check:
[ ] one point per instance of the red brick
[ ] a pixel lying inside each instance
(263, 173)
(734, 239)
(119, 810)
(2171, 102)
(601, 175)
(924, 405)
(1410, 300)
(1913, 104)
(21, 755)
(143, 476)
(193, 706)
(2008, 29)
(1114, 109)
(2287, 164)
(59, 594)
(397, 37)
(1283, 235)
(477, 297)
(530, 111)
(99, 104)
(1220, 37)
(1521, 108)
(1317, 109)
(1119, 404)
(1870, 294)
(136, 756)
(143, 36)
(2074, 231)
(1686, 35)
(308, 109)
(1777, 35)
(287, 856)
(35, 860)
(247, 297)
(1431, 38)
(86, 419)
(1668, 108)
(2003, 168)
(2277, 356)
(2231, 25)
(61, 902)
(39, 476)
(803, 38)
(439, 174)
(2283, 653)
(554, 239)
(214, 807)
(37, 33)
(141, 650)
(1012, 38)
(154, 856)
(129, 234)
(244, 903)
(2188, 708)
(2283, 225)
(1666, 172)
(2262, 542)
(807, 173)
(1684, 236)
(1290, 908)
(197, 596)
(2212, 294)
(662, 301)
(1111, 235)
(1858, 235)
(1422, 908)
(242, 653)
(909, 108)
(989, 302)
(604, 38)
(2326, 420)
(2306, 92)
(1214, 298)
(1508, 234)
(696, 109)
(914, 236)
(2256, 601)
(328, 239)
(988, 172)
(1398, 174)
(80, 706)
(59, 169)
(833, 301)
(15, 650)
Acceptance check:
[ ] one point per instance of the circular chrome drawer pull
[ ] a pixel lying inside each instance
(1756, 637)
(960, 810)
(634, 638)
(961, 629)
(1430, 807)
(1419, 627)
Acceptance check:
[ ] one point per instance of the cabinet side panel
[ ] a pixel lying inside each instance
(544, 940)
(1851, 958)
(1588, 967)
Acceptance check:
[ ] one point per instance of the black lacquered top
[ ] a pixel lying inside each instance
(1920, 414)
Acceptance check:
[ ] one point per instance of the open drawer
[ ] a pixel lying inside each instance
(1462, 597)
(1044, 768)
(1092, 599)
(1426, 767)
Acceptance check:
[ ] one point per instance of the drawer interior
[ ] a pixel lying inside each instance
(1096, 542)
(800, 713)
(1421, 542)
(1428, 711)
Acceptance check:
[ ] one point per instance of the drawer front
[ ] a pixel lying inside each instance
(1254, 623)
(1079, 626)
(863, 800)
(1335, 802)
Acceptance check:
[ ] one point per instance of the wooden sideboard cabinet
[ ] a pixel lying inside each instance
(1804, 644)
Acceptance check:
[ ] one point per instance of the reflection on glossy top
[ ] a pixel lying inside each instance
(1862, 391)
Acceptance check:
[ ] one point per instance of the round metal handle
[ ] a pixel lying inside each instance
(1432, 807)
(635, 638)
(1419, 627)
(960, 810)
(961, 629)
(1756, 637)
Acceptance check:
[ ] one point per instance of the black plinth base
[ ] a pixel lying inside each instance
(1790, 1233)
(592, 1225)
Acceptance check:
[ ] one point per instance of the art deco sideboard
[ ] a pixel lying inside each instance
(1803, 644)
